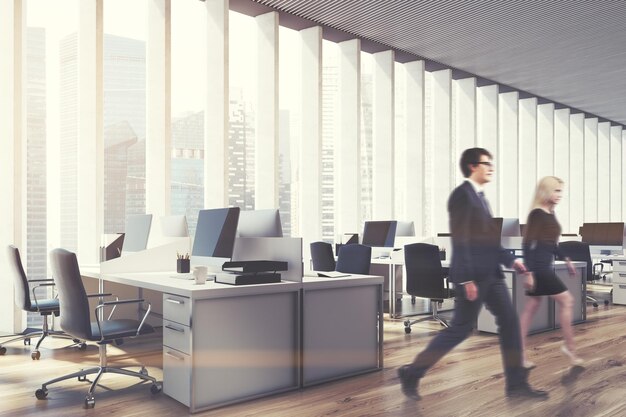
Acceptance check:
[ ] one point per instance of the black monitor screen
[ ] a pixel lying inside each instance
(215, 232)
(379, 233)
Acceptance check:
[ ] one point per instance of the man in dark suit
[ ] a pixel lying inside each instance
(475, 270)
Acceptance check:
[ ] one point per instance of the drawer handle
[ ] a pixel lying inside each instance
(174, 301)
(622, 275)
(622, 287)
(171, 355)
(176, 329)
(621, 263)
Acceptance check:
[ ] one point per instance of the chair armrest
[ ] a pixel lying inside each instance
(118, 302)
(45, 284)
(111, 303)
(108, 294)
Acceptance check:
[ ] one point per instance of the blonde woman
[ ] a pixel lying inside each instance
(540, 247)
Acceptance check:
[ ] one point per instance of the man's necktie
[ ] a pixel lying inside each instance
(484, 201)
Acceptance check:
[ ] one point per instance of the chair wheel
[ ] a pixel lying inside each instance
(82, 346)
(3, 350)
(90, 402)
(77, 341)
(156, 388)
(82, 378)
(143, 371)
(407, 330)
(26, 342)
(35, 355)
(606, 302)
(41, 394)
(595, 304)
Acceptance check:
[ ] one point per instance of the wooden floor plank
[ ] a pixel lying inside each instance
(467, 382)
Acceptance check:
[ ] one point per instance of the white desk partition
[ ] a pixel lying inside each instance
(159, 258)
(288, 249)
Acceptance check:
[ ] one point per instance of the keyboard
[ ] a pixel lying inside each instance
(187, 275)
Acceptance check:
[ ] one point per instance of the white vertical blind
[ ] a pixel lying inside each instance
(487, 136)
(576, 184)
(464, 129)
(527, 154)
(615, 176)
(561, 164)
(604, 172)
(591, 170)
(508, 162)
(439, 182)
(545, 140)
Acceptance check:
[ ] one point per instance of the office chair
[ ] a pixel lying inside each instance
(354, 259)
(579, 251)
(425, 279)
(45, 307)
(322, 256)
(75, 320)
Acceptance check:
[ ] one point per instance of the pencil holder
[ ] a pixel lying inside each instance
(182, 265)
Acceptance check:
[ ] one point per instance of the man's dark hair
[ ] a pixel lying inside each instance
(472, 156)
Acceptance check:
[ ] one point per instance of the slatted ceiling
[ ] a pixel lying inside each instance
(569, 51)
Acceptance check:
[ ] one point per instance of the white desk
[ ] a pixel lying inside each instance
(224, 344)
(547, 316)
(619, 280)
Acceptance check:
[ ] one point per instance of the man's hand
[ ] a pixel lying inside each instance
(518, 265)
(529, 281)
(570, 268)
(471, 290)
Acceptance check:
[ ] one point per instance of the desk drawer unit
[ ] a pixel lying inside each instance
(177, 309)
(619, 281)
(177, 336)
(177, 375)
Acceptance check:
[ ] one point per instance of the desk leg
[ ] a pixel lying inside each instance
(392, 291)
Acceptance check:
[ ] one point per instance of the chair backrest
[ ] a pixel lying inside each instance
(75, 319)
(322, 256)
(354, 259)
(424, 274)
(578, 251)
(20, 281)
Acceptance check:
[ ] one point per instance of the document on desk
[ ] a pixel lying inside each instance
(331, 274)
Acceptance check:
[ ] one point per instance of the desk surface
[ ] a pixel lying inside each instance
(164, 282)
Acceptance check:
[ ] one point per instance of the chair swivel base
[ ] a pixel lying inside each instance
(41, 334)
(439, 319)
(90, 401)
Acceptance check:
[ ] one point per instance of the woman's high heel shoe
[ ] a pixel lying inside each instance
(574, 360)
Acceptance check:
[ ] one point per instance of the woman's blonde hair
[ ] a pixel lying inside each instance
(545, 188)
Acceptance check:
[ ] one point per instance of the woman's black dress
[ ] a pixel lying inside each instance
(540, 248)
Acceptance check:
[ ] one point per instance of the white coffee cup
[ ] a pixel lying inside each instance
(200, 272)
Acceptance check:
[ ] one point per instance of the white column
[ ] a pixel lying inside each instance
(413, 159)
(90, 142)
(348, 145)
(266, 144)
(158, 108)
(12, 167)
(615, 177)
(561, 165)
(487, 136)
(383, 136)
(508, 162)
(216, 107)
(545, 140)
(464, 121)
(590, 206)
(576, 186)
(604, 171)
(527, 154)
(310, 166)
(440, 182)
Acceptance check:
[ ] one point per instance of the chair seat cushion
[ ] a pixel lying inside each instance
(117, 329)
(45, 306)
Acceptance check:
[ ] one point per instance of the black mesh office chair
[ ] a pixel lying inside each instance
(579, 251)
(354, 259)
(322, 256)
(75, 320)
(45, 307)
(425, 278)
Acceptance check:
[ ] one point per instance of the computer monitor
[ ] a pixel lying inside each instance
(405, 229)
(215, 237)
(137, 232)
(604, 238)
(174, 226)
(260, 223)
(379, 233)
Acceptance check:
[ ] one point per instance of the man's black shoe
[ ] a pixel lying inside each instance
(409, 382)
(525, 391)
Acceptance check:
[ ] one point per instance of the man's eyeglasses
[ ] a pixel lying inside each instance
(485, 163)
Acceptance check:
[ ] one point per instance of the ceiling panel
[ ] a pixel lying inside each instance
(569, 51)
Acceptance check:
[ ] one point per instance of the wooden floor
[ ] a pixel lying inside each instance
(467, 382)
